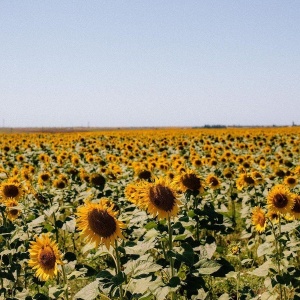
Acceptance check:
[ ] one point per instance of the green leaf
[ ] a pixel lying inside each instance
(140, 267)
(208, 266)
(174, 281)
(141, 247)
(264, 249)
(54, 292)
(7, 275)
(150, 225)
(224, 297)
(262, 270)
(180, 237)
(119, 278)
(70, 225)
(89, 292)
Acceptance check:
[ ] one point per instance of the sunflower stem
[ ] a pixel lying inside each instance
(278, 252)
(118, 261)
(173, 296)
(65, 282)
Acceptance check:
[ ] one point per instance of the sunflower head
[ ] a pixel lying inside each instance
(213, 182)
(188, 180)
(273, 216)
(44, 257)
(228, 173)
(97, 180)
(11, 190)
(291, 181)
(160, 199)
(280, 199)
(144, 174)
(295, 211)
(98, 223)
(11, 209)
(244, 180)
(259, 219)
(134, 190)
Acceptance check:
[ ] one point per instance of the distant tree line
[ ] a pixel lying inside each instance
(214, 126)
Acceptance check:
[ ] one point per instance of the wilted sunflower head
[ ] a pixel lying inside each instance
(280, 199)
(98, 223)
(259, 219)
(44, 257)
(11, 190)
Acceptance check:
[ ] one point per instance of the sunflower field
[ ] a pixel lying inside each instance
(150, 214)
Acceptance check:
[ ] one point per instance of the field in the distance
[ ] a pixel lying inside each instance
(150, 213)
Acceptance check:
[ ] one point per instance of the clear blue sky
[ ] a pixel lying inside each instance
(149, 63)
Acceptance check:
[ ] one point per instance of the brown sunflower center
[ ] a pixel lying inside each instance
(60, 184)
(162, 197)
(102, 223)
(45, 177)
(13, 212)
(280, 200)
(213, 181)
(198, 162)
(296, 207)
(97, 180)
(47, 258)
(145, 174)
(261, 220)
(191, 181)
(228, 175)
(249, 180)
(291, 180)
(11, 191)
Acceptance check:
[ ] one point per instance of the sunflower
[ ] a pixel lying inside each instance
(144, 174)
(213, 182)
(244, 180)
(97, 180)
(43, 178)
(273, 216)
(258, 178)
(159, 198)
(259, 219)
(11, 210)
(98, 224)
(295, 211)
(132, 193)
(188, 180)
(290, 181)
(44, 257)
(228, 173)
(280, 199)
(11, 189)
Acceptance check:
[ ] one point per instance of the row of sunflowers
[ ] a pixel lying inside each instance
(148, 214)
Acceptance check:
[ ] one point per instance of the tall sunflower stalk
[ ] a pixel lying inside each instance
(118, 267)
(281, 201)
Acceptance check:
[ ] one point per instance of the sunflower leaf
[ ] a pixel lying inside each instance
(89, 292)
